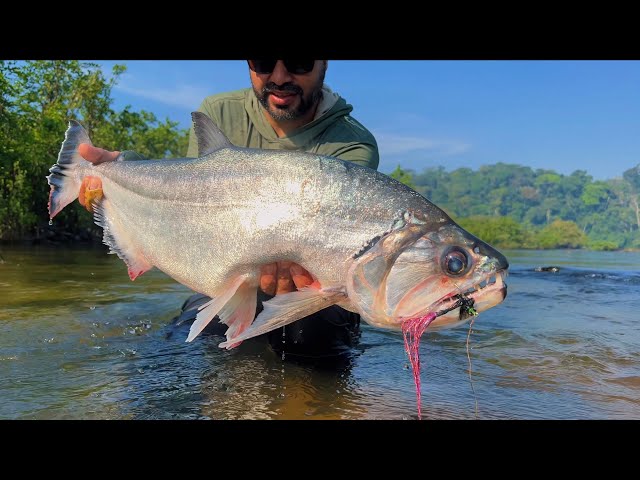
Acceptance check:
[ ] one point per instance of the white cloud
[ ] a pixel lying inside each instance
(415, 152)
(391, 144)
(180, 95)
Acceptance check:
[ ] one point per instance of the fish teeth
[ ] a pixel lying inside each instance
(483, 284)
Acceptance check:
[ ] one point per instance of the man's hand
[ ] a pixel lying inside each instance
(91, 187)
(283, 277)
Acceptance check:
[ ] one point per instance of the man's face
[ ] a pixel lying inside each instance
(287, 95)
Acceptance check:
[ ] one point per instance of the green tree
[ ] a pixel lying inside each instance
(632, 179)
(561, 234)
(596, 194)
(37, 98)
(606, 211)
(403, 176)
(501, 232)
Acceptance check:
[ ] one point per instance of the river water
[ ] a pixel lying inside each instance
(79, 340)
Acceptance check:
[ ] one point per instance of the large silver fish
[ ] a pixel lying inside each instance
(373, 245)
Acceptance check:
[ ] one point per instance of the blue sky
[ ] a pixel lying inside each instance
(560, 115)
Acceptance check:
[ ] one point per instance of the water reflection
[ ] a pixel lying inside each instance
(255, 382)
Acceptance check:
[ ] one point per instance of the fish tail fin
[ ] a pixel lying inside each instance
(65, 184)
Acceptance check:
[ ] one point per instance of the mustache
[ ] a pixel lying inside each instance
(288, 87)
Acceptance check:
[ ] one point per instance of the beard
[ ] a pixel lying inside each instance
(286, 112)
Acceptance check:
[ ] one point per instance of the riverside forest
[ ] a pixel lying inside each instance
(506, 204)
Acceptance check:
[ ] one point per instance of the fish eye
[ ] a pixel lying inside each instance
(455, 262)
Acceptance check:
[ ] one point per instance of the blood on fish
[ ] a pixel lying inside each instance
(412, 329)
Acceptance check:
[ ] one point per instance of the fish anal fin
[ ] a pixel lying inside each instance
(138, 267)
(287, 308)
(115, 236)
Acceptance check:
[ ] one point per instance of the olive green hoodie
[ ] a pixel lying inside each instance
(332, 132)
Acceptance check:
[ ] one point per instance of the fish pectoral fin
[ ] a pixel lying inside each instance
(215, 305)
(117, 239)
(287, 308)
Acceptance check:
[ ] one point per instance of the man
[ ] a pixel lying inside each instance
(287, 108)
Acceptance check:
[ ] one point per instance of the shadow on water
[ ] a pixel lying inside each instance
(253, 381)
(271, 376)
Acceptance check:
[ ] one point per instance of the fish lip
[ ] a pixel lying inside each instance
(472, 295)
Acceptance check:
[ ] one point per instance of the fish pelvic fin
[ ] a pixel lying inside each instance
(287, 308)
(234, 315)
(119, 242)
(239, 312)
(64, 183)
(210, 137)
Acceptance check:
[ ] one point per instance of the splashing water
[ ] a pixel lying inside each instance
(412, 330)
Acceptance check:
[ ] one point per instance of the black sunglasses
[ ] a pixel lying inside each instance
(296, 67)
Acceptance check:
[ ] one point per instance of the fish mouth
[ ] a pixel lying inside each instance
(458, 307)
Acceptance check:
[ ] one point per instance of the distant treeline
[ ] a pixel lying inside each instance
(506, 205)
(512, 206)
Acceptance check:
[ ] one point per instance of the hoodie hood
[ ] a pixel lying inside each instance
(332, 107)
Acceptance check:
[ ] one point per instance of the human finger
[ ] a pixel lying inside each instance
(301, 277)
(268, 278)
(285, 282)
(96, 155)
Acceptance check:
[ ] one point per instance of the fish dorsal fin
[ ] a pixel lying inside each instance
(210, 137)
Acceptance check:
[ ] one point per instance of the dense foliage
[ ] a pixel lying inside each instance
(515, 206)
(37, 98)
